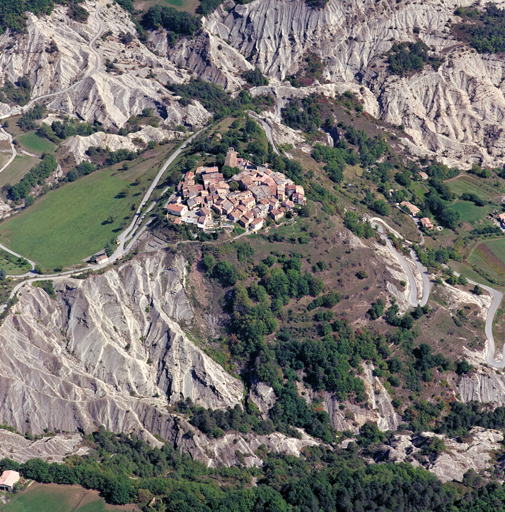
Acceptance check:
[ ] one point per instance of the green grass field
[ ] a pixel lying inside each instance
(466, 271)
(466, 185)
(498, 248)
(470, 212)
(67, 224)
(419, 188)
(476, 260)
(72, 222)
(17, 169)
(181, 5)
(35, 144)
(13, 265)
(56, 498)
(3, 158)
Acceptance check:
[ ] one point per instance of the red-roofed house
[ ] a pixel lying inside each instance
(177, 209)
(426, 223)
(234, 215)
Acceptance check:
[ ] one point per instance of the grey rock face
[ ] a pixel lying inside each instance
(110, 98)
(456, 460)
(263, 396)
(349, 416)
(455, 112)
(55, 448)
(212, 59)
(110, 350)
(223, 450)
(486, 387)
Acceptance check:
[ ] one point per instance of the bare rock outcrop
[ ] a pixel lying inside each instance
(455, 112)
(211, 59)
(78, 144)
(485, 386)
(77, 67)
(53, 448)
(263, 396)
(225, 450)
(349, 416)
(457, 458)
(109, 350)
(113, 99)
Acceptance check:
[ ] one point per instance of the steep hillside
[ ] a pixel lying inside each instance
(455, 112)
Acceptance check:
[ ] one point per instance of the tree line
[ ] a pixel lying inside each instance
(126, 469)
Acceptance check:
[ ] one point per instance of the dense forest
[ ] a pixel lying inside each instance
(126, 469)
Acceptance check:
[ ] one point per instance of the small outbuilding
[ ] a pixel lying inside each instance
(103, 258)
(426, 223)
(8, 480)
(412, 208)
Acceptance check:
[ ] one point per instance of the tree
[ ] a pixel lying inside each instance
(36, 469)
(463, 367)
(225, 273)
(381, 207)
(208, 262)
(377, 309)
(369, 434)
(449, 218)
(478, 290)
(72, 175)
(255, 78)
(118, 491)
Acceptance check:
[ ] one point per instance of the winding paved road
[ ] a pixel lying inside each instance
(495, 294)
(131, 234)
(267, 129)
(379, 224)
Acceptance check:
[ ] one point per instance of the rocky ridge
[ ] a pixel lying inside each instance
(455, 112)
(112, 350)
(106, 352)
(476, 453)
(109, 98)
(78, 145)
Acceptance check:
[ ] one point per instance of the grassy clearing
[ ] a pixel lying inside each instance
(498, 248)
(419, 188)
(75, 221)
(181, 5)
(55, 498)
(353, 171)
(466, 271)
(13, 265)
(470, 212)
(17, 169)
(464, 185)
(4, 157)
(13, 127)
(35, 144)
(478, 260)
(67, 224)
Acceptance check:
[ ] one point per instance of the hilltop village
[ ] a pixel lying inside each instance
(208, 200)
